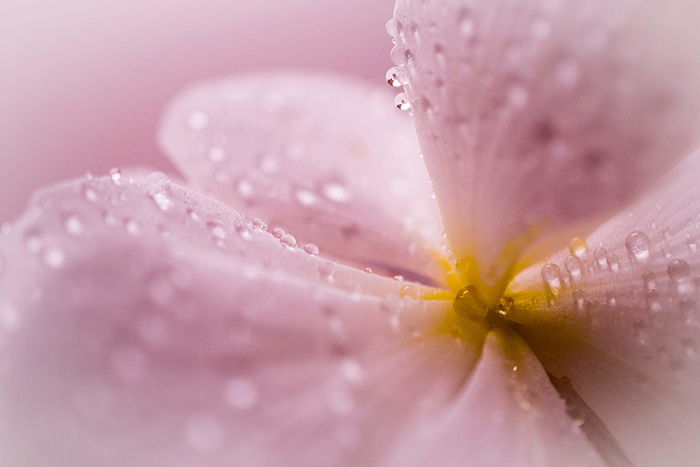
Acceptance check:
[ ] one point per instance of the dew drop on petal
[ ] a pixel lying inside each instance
(573, 267)
(637, 244)
(552, 277)
(311, 249)
(216, 154)
(305, 197)
(198, 120)
(115, 175)
(578, 247)
(336, 192)
(53, 257)
(326, 270)
(73, 224)
(401, 102)
(162, 200)
(288, 240)
(678, 270)
(396, 77)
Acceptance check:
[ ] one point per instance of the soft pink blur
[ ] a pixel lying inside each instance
(82, 83)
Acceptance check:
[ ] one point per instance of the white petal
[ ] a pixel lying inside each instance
(509, 414)
(538, 117)
(144, 324)
(328, 159)
(622, 319)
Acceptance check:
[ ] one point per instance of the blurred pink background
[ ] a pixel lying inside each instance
(82, 83)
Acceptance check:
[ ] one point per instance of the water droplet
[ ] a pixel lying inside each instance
(132, 226)
(9, 319)
(637, 244)
(692, 243)
(336, 192)
(368, 270)
(241, 394)
(468, 303)
(326, 271)
(613, 262)
(54, 257)
(216, 154)
(198, 120)
(353, 371)
(204, 433)
(218, 232)
(305, 197)
(574, 267)
(259, 224)
(504, 305)
(278, 232)
(116, 176)
(678, 270)
(601, 258)
(73, 224)
(268, 164)
(288, 240)
(245, 188)
(6, 229)
(162, 200)
(90, 194)
(552, 277)
(311, 249)
(392, 27)
(242, 228)
(396, 77)
(578, 247)
(650, 283)
(401, 102)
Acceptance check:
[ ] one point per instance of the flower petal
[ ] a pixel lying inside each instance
(326, 158)
(626, 310)
(144, 324)
(508, 414)
(537, 117)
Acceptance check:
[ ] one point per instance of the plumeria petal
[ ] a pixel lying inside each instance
(508, 414)
(144, 324)
(327, 158)
(536, 117)
(623, 310)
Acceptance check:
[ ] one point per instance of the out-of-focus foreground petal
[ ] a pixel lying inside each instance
(329, 159)
(538, 117)
(144, 324)
(621, 320)
(509, 414)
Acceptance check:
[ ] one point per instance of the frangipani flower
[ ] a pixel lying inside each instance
(147, 323)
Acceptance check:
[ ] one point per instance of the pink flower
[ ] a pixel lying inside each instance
(143, 322)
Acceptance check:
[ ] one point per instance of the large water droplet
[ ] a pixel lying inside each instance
(73, 224)
(552, 277)
(54, 257)
(288, 240)
(396, 77)
(311, 249)
(678, 270)
(198, 120)
(401, 102)
(115, 175)
(574, 268)
(469, 304)
(637, 244)
(578, 247)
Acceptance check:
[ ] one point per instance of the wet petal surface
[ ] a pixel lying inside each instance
(537, 117)
(329, 160)
(619, 317)
(144, 324)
